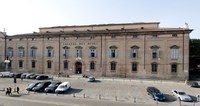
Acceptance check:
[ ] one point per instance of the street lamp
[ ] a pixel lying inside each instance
(6, 62)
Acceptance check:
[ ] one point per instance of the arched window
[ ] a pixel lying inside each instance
(66, 52)
(174, 52)
(134, 51)
(155, 52)
(9, 52)
(49, 51)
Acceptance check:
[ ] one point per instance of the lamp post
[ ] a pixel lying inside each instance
(6, 62)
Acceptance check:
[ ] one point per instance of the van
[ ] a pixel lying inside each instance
(63, 87)
(5, 74)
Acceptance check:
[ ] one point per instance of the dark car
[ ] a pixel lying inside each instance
(155, 94)
(42, 77)
(31, 86)
(193, 84)
(18, 75)
(41, 86)
(52, 87)
(33, 76)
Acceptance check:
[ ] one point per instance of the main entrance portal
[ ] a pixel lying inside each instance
(78, 66)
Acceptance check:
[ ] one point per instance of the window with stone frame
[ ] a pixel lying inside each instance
(92, 65)
(113, 52)
(49, 64)
(134, 66)
(33, 51)
(9, 52)
(66, 52)
(174, 51)
(92, 51)
(21, 51)
(154, 67)
(113, 66)
(49, 51)
(174, 67)
(134, 51)
(21, 63)
(33, 63)
(78, 51)
(66, 64)
(155, 52)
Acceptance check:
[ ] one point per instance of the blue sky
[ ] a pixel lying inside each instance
(26, 16)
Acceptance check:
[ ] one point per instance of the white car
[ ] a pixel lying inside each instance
(63, 87)
(181, 95)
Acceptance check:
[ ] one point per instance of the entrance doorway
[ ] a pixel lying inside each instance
(78, 66)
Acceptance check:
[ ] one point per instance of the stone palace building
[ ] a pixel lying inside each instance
(135, 50)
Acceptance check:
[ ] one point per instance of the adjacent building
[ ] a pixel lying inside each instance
(135, 50)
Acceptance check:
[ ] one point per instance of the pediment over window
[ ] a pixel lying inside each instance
(174, 47)
(155, 47)
(49, 47)
(65, 47)
(113, 47)
(20, 47)
(10, 48)
(135, 47)
(78, 47)
(33, 47)
(113, 62)
(92, 47)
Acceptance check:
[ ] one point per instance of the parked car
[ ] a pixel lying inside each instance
(33, 76)
(5, 74)
(52, 87)
(31, 86)
(23, 75)
(18, 75)
(155, 93)
(63, 87)
(42, 77)
(193, 84)
(41, 86)
(28, 75)
(91, 79)
(181, 95)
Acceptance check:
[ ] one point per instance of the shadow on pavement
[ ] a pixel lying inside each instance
(73, 90)
(170, 98)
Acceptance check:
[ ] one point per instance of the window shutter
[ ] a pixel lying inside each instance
(116, 53)
(19, 52)
(30, 53)
(46, 53)
(89, 53)
(52, 53)
(158, 53)
(109, 53)
(136, 53)
(95, 53)
(23, 53)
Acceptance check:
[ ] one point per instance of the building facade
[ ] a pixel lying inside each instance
(135, 50)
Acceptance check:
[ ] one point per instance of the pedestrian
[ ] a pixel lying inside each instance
(7, 91)
(10, 91)
(17, 90)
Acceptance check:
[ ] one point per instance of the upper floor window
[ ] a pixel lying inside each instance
(9, 52)
(78, 51)
(174, 52)
(21, 52)
(155, 52)
(113, 66)
(49, 51)
(134, 51)
(66, 52)
(92, 65)
(33, 52)
(154, 67)
(113, 52)
(33, 64)
(92, 52)
(155, 35)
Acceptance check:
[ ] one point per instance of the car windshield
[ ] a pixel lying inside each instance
(33, 84)
(160, 95)
(40, 84)
(181, 93)
(62, 86)
(52, 85)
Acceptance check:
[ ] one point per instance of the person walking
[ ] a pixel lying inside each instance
(7, 91)
(17, 90)
(10, 91)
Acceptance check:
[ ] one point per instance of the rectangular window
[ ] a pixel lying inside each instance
(134, 53)
(66, 53)
(50, 53)
(33, 64)
(65, 65)
(33, 52)
(10, 53)
(174, 53)
(92, 66)
(154, 67)
(49, 64)
(78, 53)
(134, 66)
(155, 54)
(92, 53)
(21, 53)
(113, 66)
(20, 64)
(174, 68)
